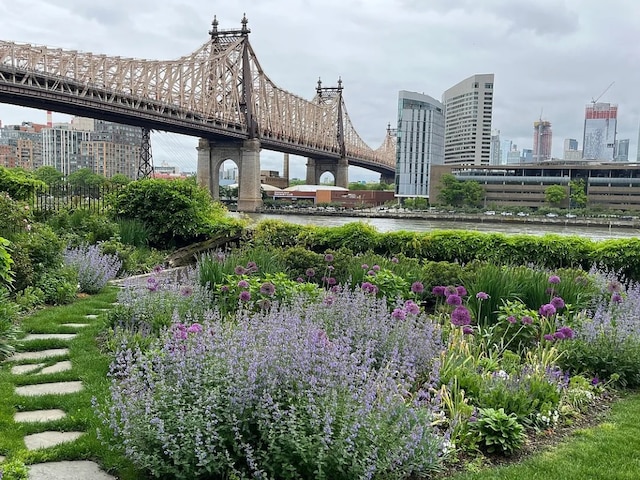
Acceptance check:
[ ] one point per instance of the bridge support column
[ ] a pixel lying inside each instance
(389, 179)
(249, 193)
(312, 179)
(203, 174)
(342, 173)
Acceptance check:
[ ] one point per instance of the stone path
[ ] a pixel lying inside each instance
(22, 364)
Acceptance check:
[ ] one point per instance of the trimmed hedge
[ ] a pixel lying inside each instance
(548, 251)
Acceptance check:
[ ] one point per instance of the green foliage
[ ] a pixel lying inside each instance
(578, 194)
(390, 285)
(497, 432)
(14, 469)
(5, 262)
(59, 286)
(417, 203)
(457, 193)
(86, 178)
(9, 330)
(15, 216)
(554, 195)
(18, 183)
(175, 212)
(119, 179)
(275, 233)
(298, 260)
(620, 255)
(40, 249)
(604, 357)
(134, 260)
(49, 175)
(133, 232)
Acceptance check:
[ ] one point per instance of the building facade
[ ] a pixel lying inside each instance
(622, 150)
(496, 149)
(609, 185)
(61, 148)
(420, 142)
(542, 138)
(468, 110)
(600, 122)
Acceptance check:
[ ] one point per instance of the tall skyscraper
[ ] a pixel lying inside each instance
(570, 144)
(420, 142)
(542, 136)
(61, 148)
(600, 121)
(622, 150)
(496, 151)
(570, 151)
(468, 109)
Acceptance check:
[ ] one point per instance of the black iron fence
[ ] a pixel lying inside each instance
(66, 196)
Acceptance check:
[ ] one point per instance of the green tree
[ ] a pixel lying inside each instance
(554, 195)
(85, 178)
(119, 179)
(18, 183)
(460, 192)
(48, 175)
(578, 191)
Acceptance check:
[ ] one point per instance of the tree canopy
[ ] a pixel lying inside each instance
(457, 193)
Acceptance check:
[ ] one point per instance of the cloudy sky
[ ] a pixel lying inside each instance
(548, 56)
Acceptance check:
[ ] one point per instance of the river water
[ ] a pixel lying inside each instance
(422, 225)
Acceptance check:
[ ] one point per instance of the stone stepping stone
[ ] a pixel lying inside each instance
(91, 316)
(2, 458)
(50, 439)
(57, 367)
(49, 336)
(39, 416)
(39, 355)
(75, 325)
(49, 389)
(21, 369)
(67, 470)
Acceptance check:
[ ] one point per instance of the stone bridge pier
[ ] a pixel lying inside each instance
(246, 154)
(339, 170)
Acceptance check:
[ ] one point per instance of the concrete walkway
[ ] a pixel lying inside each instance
(22, 364)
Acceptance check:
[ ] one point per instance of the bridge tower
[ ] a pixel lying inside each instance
(316, 167)
(246, 153)
(145, 164)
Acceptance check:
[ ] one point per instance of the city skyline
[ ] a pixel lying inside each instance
(333, 39)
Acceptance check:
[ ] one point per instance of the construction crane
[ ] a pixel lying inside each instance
(594, 100)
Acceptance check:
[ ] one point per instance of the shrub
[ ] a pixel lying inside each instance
(59, 286)
(94, 268)
(497, 432)
(277, 395)
(8, 329)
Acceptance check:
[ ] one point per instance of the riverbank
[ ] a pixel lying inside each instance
(633, 223)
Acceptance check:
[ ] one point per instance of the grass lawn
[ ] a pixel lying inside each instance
(89, 366)
(609, 451)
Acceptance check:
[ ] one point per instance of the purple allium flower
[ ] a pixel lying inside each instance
(335, 289)
(438, 291)
(365, 266)
(369, 287)
(245, 296)
(548, 337)
(467, 330)
(328, 300)
(511, 319)
(328, 257)
(186, 291)
(224, 288)
(239, 270)
(555, 279)
(264, 304)
(157, 269)
(450, 290)
(195, 328)
(454, 300)
(595, 380)
(614, 286)
(151, 280)
(461, 291)
(417, 287)
(243, 284)
(376, 268)
(331, 281)
(371, 273)
(310, 272)
(566, 331)
(331, 268)
(526, 320)
(460, 316)
(482, 296)
(411, 307)
(399, 314)
(394, 260)
(152, 287)
(300, 280)
(252, 267)
(547, 310)
(268, 288)
(559, 335)
(616, 298)
(557, 302)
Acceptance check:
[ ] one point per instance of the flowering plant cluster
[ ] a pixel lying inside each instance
(94, 268)
(290, 392)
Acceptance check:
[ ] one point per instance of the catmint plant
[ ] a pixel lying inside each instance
(94, 268)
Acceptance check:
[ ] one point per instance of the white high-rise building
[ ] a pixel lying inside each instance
(61, 148)
(600, 121)
(468, 110)
(420, 142)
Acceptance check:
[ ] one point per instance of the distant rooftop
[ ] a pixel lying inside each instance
(315, 188)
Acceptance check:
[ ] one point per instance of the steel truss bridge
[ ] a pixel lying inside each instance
(219, 91)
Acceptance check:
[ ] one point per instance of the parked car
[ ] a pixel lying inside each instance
(551, 214)
(489, 212)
